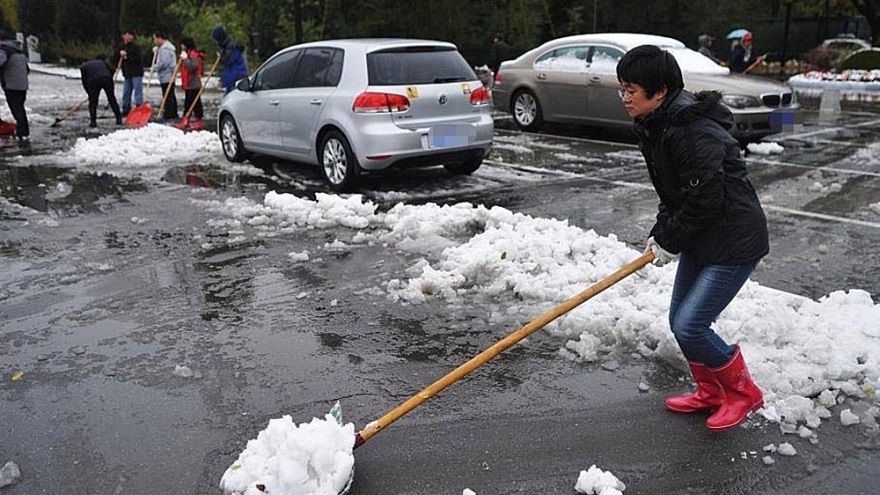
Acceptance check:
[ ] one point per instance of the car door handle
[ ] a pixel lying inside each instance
(274, 103)
(595, 79)
(316, 102)
(541, 76)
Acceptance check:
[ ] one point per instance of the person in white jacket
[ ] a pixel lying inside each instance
(166, 61)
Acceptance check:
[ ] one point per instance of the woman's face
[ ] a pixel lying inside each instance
(636, 102)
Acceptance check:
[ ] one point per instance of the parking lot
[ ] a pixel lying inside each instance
(111, 283)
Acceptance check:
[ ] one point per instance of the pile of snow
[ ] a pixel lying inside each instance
(310, 459)
(853, 85)
(797, 349)
(145, 152)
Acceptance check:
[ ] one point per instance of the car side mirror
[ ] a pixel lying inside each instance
(243, 84)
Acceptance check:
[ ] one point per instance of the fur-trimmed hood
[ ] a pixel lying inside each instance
(685, 108)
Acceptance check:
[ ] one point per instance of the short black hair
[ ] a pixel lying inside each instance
(651, 68)
(188, 42)
(132, 32)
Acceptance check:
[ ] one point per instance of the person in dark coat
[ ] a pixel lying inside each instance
(709, 218)
(132, 71)
(14, 80)
(743, 55)
(233, 65)
(97, 76)
(499, 52)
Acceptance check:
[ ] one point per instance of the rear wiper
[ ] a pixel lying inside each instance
(439, 80)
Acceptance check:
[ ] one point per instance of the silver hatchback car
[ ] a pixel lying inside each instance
(355, 105)
(574, 80)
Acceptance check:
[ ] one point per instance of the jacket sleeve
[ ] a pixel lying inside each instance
(699, 158)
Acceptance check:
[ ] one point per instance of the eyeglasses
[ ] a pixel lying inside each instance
(626, 94)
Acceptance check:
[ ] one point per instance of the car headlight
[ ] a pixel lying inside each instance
(740, 101)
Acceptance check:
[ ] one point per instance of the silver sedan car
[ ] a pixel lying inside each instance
(574, 80)
(356, 105)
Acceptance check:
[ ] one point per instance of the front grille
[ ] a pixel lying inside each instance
(773, 100)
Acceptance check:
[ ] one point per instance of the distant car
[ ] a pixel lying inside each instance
(832, 51)
(574, 80)
(356, 105)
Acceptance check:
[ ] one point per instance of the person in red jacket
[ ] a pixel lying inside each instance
(191, 80)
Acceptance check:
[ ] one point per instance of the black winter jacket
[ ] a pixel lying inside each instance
(94, 71)
(708, 208)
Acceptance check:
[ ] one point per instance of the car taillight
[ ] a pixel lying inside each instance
(368, 102)
(480, 96)
(497, 77)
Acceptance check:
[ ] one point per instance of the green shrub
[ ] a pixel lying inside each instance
(868, 59)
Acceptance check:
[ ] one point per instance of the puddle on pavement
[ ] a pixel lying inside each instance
(62, 190)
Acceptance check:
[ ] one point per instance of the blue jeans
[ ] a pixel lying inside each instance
(130, 84)
(699, 295)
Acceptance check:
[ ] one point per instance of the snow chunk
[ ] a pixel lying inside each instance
(765, 148)
(786, 449)
(847, 418)
(313, 458)
(598, 482)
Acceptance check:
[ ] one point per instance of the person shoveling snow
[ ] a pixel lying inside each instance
(313, 458)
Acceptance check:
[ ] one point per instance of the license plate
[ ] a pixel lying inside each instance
(451, 135)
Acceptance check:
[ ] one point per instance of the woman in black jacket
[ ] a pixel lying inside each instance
(709, 219)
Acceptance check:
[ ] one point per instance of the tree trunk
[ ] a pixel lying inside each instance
(871, 10)
(298, 21)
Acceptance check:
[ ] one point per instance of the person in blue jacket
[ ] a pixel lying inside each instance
(232, 62)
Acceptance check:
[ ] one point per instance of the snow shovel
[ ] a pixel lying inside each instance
(169, 89)
(70, 112)
(378, 425)
(184, 122)
(140, 115)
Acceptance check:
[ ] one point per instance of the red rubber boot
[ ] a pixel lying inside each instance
(708, 396)
(741, 395)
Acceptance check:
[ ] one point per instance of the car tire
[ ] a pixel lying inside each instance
(527, 111)
(338, 163)
(463, 168)
(230, 140)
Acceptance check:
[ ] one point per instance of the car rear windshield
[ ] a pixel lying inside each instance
(417, 65)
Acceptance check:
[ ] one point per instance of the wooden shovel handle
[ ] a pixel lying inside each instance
(170, 87)
(192, 105)
(499, 347)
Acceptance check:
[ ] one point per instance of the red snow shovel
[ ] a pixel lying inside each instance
(378, 425)
(184, 122)
(140, 115)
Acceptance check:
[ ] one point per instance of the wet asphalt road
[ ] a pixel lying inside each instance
(99, 310)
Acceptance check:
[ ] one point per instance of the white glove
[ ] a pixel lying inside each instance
(155, 49)
(122, 53)
(183, 56)
(661, 256)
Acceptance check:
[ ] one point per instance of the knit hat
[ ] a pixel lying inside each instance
(219, 34)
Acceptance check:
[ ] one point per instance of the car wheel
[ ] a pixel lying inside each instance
(338, 162)
(230, 139)
(527, 111)
(463, 168)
